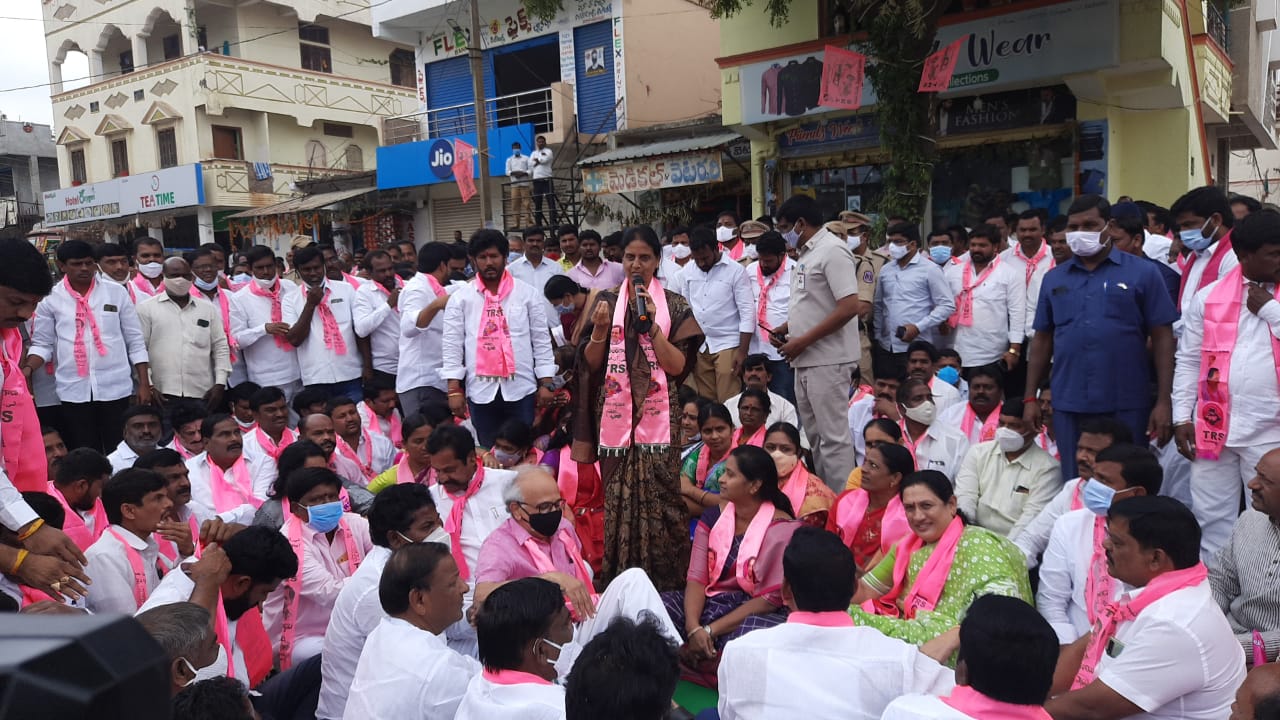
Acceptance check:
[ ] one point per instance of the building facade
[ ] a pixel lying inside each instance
(28, 167)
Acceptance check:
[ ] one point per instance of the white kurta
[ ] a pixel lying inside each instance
(356, 613)
(922, 707)
(408, 673)
(486, 700)
(1064, 573)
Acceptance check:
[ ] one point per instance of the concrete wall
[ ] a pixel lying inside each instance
(671, 48)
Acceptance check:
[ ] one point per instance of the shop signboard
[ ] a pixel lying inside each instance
(847, 133)
(82, 203)
(787, 87)
(503, 22)
(654, 173)
(429, 162)
(167, 189)
(1004, 111)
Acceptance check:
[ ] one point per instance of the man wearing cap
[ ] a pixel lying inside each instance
(297, 243)
(858, 236)
(750, 231)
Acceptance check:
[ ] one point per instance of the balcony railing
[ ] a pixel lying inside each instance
(1216, 25)
(532, 107)
(1269, 102)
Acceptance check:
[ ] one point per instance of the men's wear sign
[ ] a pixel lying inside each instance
(654, 173)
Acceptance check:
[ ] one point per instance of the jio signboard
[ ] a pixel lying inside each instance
(430, 162)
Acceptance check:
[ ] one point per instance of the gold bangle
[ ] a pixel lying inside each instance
(456, 394)
(32, 529)
(593, 340)
(22, 555)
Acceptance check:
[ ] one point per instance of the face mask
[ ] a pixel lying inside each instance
(516, 152)
(325, 517)
(177, 286)
(949, 375)
(1196, 239)
(1085, 244)
(437, 536)
(563, 310)
(545, 524)
(792, 237)
(559, 651)
(217, 668)
(208, 286)
(1097, 497)
(724, 234)
(265, 284)
(1009, 440)
(151, 270)
(558, 381)
(853, 242)
(897, 252)
(513, 256)
(506, 459)
(786, 462)
(241, 278)
(924, 413)
(940, 254)
(750, 252)
(681, 252)
(110, 279)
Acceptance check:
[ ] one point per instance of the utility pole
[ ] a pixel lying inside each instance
(482, 121)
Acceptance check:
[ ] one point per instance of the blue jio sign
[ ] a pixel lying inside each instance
(431, 161)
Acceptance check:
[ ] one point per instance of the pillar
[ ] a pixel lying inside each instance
(204, 221)
(95, 65)
(140, 50)
(55, 77)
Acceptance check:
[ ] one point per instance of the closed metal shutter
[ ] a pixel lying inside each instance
(596, 112)
(449, 214)
(449, 84)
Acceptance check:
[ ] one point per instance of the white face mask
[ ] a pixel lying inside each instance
(924, 413)
(1084, 243)
(217, 668)
(724, 234)
(749, 251)
(177, 286)
(785, 462)
(265, 284)
(854, 242)
(437, 536)
(151, 270)
(897, 252)
(681, 252)
(1009, 440)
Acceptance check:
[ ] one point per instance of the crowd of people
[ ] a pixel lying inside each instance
(1028, 469)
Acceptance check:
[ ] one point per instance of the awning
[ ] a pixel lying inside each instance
(664, 147)
(302, 204)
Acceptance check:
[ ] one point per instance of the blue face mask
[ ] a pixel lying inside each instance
(563, 310)
(949, 375)
(940, 254)
(241, 278)
(791, 237)
(325, 517)
(1097, 497)
(1196, 239)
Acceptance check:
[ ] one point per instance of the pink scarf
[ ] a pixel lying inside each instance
(756, 439)
(567, 477)
(1077, 496)
(762, 316)
(495, 357)
(963, 316)
(224, 307)
(1221, 324)
(830, 619)
(796, 487)
(618, 425)
(373, 420)
(989, 425)
(237, 491)
(1211, 270)
(735, 253)
(277, 313)
(720, 540)
(364, 463)
(542, 560)
(145, 287)
(289, 618)
(355, 282)
(269, 446)
(926, 591)
(860, 393)
(1126, 609)
(84, 318)
(73, 525)
(1099, 586)
(701, 470)
(251, 638)
(404, 474)
(332, 333)
(851, 509)
(140, 591)
(169, 549)
(976, 705)
(1034, 262)
(453, 525)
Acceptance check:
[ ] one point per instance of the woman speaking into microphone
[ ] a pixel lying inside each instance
(635, 350)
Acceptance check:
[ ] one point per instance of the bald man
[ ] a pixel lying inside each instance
(1242, 589)
(538, 541)
(1259, 695)
(186, 336)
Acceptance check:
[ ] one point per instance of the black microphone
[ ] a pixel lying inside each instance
(643, 322)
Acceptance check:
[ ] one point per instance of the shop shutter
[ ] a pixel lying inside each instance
(449, 84)
(449, 214)
(596, 112)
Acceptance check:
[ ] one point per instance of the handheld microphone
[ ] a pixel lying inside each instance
(643, 322)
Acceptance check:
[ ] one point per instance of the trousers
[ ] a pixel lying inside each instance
(822, 395)
(1216, 487)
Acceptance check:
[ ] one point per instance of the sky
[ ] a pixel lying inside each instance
(22, 55)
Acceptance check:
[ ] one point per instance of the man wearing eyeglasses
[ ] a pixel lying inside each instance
(538, 541)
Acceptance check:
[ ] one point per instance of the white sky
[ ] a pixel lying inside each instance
(22, 55)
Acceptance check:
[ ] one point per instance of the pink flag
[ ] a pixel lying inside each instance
(464, 169)
(939, 66)
(843, 72)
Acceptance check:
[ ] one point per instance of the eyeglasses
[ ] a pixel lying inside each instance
(542, 508)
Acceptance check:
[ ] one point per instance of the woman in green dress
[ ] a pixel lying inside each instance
(629, 415)
(923, 587)
(701, 470)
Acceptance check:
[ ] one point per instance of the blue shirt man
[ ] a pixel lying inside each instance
(1093, 318)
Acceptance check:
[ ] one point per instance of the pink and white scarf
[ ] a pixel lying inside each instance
(963, 316)
(495, 356)
(84, 319)
(277, 313)
(927, 589)
(329, 322)
(618, 424)
(720, 540)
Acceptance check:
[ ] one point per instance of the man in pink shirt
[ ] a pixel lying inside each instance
(593, 271)
(537, 541)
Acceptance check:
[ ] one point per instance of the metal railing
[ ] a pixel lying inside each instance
(1269, 102)
(532, 107)
(1216, 25)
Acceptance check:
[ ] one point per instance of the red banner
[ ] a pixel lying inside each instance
(939, 67)
(843, 74)
(464, 169)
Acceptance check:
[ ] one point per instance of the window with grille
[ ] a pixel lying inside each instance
(167, 140)
(355, 158)
(314, 46)
(79, 174)
(119, 158)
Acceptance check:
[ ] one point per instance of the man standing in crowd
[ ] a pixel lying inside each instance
(93, 330)
(1204, 220)
(534, 268)
(570, 250)
(148, 256)
(868, 264)
(518, 171)
(591, 271)
(1030, 258)
(819, 339)
(206, 271)
(377, 315)
(185, 340)
(913, 299)
(718, 291)
(1100, 361)
(770, 278)
(259, 326)
(322, 328)
(990, 318)
(113, 264)
(1225, 387)
(422, 301)
(544, 186)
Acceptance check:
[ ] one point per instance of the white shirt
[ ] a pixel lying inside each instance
(1035, 536)
(122, 458)
(110, 376)
(379, 322)
(922, 707)
(953, 416)
(112, 575)
(408, 673)
(779, 302)
(999, 313)
(486, 700)
(1004, 495)
(525, 312)
(1195, 271)
(177, 587)
(796, 670)
(1179, 659)
(669, 272)
(780, 410)
(1018, 264)
(1064, 574)
(518, 163)
(202, 492)
(541, 167)
(945, 395)
(535, 275)
(1251, 380)
(356, 613)
(187, 345)
(420, 348)
(941, 448)
(860, 413)
(485, 512)
(266, 363)
(722, 301)
(319, 364)
(262, 467)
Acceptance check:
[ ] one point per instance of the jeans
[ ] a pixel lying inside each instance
(487, 418)
(544, 188)
(353, 389)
